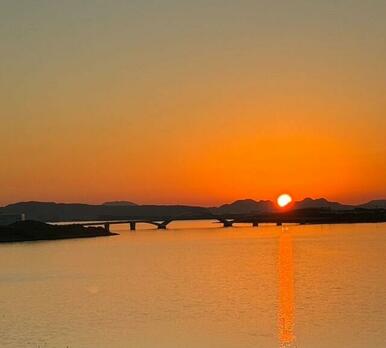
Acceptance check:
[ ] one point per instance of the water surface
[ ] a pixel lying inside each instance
(197, 285)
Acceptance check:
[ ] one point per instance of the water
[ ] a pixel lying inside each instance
(291, 286)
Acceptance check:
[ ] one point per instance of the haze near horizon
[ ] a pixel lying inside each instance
(199, 102)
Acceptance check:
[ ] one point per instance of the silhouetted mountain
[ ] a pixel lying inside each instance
(375, 204)
(49, 211)
(249, 206)
(244, 206)
(44, 211)
(320, 203)
(119, 203)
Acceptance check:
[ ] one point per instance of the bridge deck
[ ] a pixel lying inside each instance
(297, 217)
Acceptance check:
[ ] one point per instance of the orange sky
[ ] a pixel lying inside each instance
(198, 103)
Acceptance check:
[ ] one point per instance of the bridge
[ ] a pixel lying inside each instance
(160, 224)
(305, 216)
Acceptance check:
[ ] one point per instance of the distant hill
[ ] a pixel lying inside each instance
(119, 203)
(375, 204)
(320, 203)
(250, 206)
(244, 206)
(49, 211)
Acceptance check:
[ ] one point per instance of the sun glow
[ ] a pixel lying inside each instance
(283, 200)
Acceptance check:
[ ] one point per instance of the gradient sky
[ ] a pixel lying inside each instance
(198, 102)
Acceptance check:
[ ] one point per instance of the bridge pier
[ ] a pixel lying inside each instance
(162, 225)
(279, 223)
(132, 225)
(107, 227)
(226, 222)
(255, 224)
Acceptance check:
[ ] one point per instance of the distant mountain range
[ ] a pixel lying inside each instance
(119, 203)
(244, 206)
(50, 211)
(375, 204)
(247, 206)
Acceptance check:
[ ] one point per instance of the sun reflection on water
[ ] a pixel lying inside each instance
(286, 291)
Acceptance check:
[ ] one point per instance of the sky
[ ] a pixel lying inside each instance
(195, 102)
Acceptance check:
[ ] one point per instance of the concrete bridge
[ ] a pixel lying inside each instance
(318, 216)
(162, 224)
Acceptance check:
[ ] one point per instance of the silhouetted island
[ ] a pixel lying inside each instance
(23, 231)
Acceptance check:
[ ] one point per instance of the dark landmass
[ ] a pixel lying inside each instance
(376, 204)
(244, 206)
(249, 206)
(57, 212)
(120, 203)
(23, 231)
(321, 203)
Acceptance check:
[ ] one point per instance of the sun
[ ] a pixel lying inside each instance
(283, 200)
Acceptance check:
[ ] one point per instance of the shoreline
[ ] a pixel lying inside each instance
(31, 231)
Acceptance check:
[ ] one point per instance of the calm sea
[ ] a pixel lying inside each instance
(197, 285)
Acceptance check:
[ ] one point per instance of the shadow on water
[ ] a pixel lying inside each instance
(286, 315)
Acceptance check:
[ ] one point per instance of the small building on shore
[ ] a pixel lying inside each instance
(7, 219)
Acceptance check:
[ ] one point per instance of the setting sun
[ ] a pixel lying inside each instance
(283, 200)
